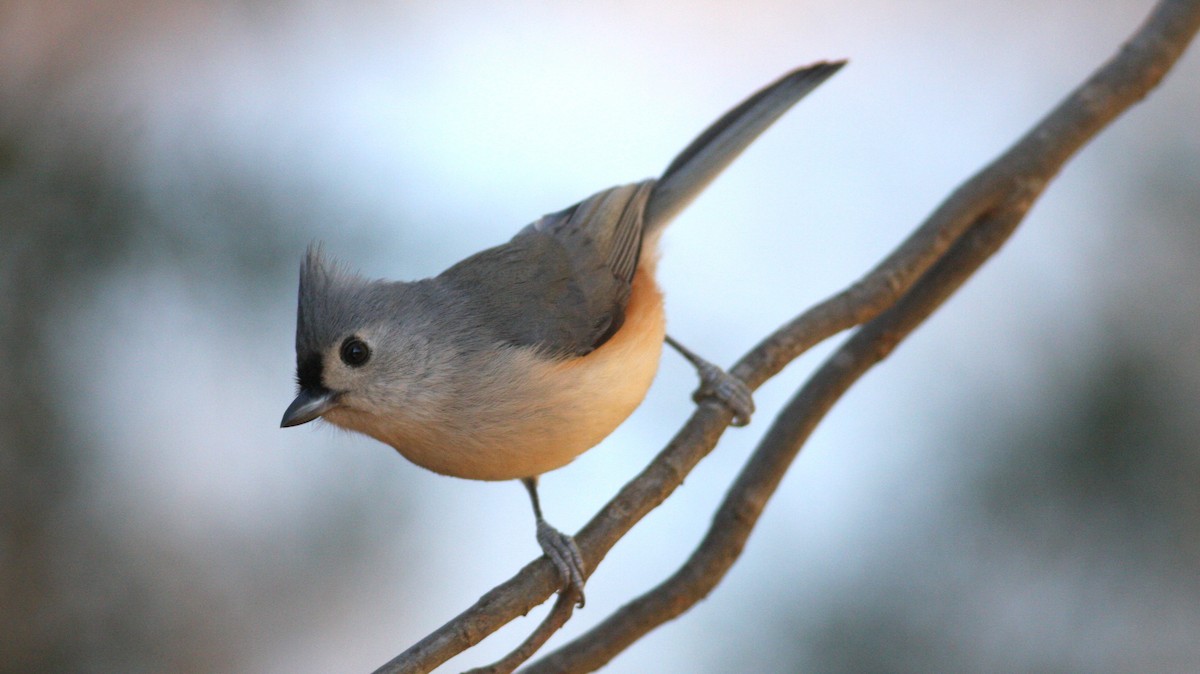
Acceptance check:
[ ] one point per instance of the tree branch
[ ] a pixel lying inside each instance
(892, 299)
(553, 622)
(1023, 172)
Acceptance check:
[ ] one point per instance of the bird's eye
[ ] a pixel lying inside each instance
(355, 352)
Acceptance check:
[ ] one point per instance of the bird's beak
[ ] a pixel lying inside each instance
(307, 406)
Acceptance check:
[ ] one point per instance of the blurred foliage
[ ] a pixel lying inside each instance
(76, 593)
(80, 591)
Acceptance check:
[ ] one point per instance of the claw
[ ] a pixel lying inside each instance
(718, 384)
(728, 389)
(564, 554)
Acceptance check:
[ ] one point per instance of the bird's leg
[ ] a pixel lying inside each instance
(559, 547)
(719, 384)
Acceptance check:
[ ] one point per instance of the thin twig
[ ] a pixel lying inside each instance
(554, 621)
(999, 195)
(748, 496)
(1027, 168)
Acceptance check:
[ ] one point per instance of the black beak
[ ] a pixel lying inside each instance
(307, 406)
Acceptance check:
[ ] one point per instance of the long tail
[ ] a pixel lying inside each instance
(721, 143)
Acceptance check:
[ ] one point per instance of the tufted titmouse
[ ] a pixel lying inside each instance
(516, 360)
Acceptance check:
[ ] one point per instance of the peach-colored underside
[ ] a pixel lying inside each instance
(612, 381)
(558, 409)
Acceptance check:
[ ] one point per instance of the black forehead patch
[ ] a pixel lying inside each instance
(309, 369)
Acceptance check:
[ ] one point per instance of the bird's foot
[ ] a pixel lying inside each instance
(718, 384)
(564, 554)
(728, 389)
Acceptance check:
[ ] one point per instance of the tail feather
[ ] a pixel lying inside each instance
(708, 155)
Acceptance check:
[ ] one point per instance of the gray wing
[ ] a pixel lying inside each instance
(562, 283)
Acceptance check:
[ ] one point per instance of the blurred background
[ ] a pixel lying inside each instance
(1015, 489)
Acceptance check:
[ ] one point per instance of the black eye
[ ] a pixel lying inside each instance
(355, 352)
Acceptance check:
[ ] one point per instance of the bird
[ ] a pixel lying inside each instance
(521, 357)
